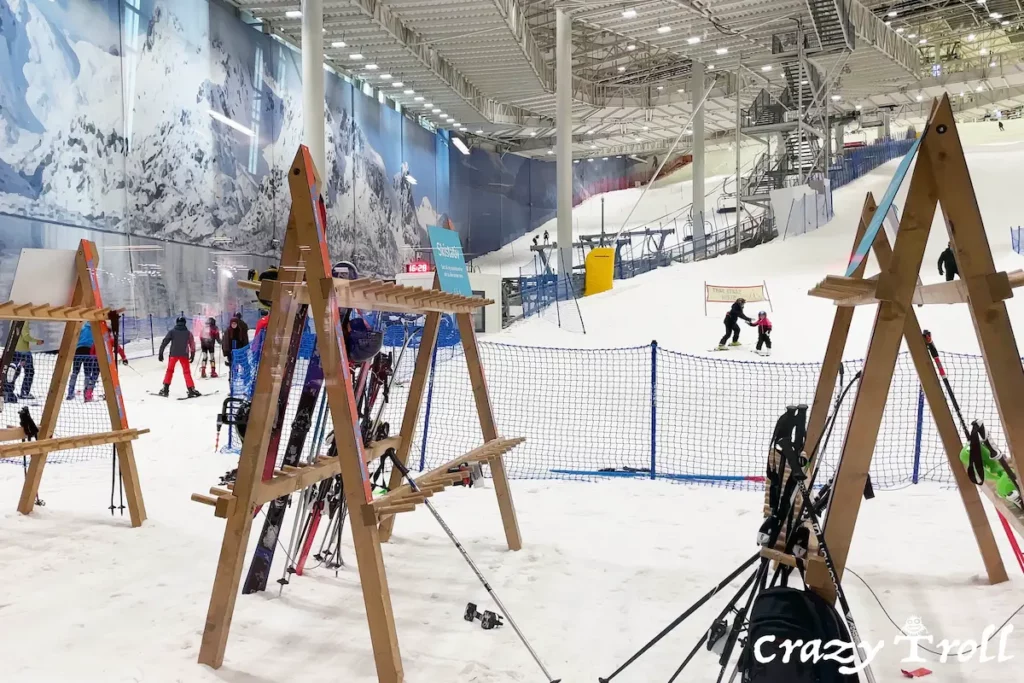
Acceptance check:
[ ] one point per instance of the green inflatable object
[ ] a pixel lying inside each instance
(994, 472)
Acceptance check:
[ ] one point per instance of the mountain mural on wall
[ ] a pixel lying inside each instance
(174, 121)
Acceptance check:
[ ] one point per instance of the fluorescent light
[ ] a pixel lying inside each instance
(664, 29)
(407, 91)
(460, 145)
(983, 51)
(922, 41)
(766, 67)
(410, 179)
(551, 151)
(979, 89)
(661, 87)
(445, 116)
(995, 15)
(386, 77)
(722, 51)
(803, 82)
(371, 67)
(888, 23)
(647, 127)
(688, 132)
(427, 105)
(919, 98)
(857, 107)
(338, 43)
(992, 63)
(893, 13)
(593, 147)
(836, 98)
(971, 37)
(293, 14)
(693, 40)
(628, 13)
(900, 30)
(398, 84)
(681, 90)
(418, 98)
(456, 123)
(478, 132)
(590, 161)
(233, 124)
(533, 133)
(621, 69)
(1004, 23)
(631, 47)
(604, 159)
(711, 67)
(355, 56)
(911, 35)
(591, 131)
(435, 110)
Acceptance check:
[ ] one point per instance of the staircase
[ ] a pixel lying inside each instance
(801, 153)
(832, 25)
(800, 87)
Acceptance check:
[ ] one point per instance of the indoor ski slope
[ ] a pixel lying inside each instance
(668, 304)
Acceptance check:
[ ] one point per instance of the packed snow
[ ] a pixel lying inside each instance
(604, 567)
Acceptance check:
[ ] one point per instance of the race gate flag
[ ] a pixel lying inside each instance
(449, 262)
(718, 294)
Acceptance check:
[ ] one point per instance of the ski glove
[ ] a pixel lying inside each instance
(160, 357)
(124, 361)
(192, 357)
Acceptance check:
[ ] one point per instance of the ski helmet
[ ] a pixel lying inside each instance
(762, 314)
(344, 270)
(181, 320)
(361, 342)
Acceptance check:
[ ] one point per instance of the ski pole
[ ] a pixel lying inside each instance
(945, 380)
(472, 565)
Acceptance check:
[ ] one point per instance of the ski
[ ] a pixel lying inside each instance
(263, 558)
(7, 360)
(189, 398)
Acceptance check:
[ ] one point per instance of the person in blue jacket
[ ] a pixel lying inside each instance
(85, 357)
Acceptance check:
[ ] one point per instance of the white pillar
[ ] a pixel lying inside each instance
(313, 82)
(696, 94)
(886, 124)
(563, 133)
(739, 129)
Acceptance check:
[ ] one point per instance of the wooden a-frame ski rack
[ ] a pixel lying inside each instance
(305, 277)
(85, 306)
(940, 178)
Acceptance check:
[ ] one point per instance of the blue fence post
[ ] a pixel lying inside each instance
(654, 406)
(152, 335)
(918, 434)
(231, 389)
(426, 413)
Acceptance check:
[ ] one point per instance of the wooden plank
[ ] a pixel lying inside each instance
(106, 358)
(51, 409)
(489, 427)
(974, 260)
(948, 432)
(64, 443)
(441, 473)
(324, 301)
(305, 477)
(250, 461)
(898, 282)
(12, 434)
(420, 375)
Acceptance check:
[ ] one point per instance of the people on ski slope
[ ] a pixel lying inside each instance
(209, 336)
(732, 326)
(22, 361)
(261, 324)
(947, 260)
(235, 337)
(183, 351)
(764, 328)
(85, 358)
(547, 237)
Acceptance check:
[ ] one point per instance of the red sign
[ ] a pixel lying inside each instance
(417, 267)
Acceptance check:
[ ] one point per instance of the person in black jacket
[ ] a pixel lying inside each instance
(732, 326)
(183, 351)
(947, 260)
(235, 337)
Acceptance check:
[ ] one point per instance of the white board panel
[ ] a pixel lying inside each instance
(44, 276)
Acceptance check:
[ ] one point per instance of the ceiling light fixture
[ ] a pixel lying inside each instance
(900, 30)
(533, 133)
(621, 69)
(428, 105)
(992, 63)
(888, 23)
(836, 98)
(979, 88)
(628, 13)
(371, 67)
(722, 51)
(478, 132)
(693, 40)
(385, 77)
(398, 84)
(1004, 23)
(593, 147)
(983, 51)
(338, 43)
(664, 29)
(893, 13)
(688, 132)
(460, 145)
(293, 14)
(919, 98)
(857, 107)
(604, 159)
(971, 37)
(551, 151)
(711, 67)
(995, 15)
(922, 41)
(355, 56)
(409, 179)
(636, 138)
(408, 91)
(435, 110)
(681, 90)
(631, 47)
(911, 35)
(766, 67)
(647, 127)
(591, 131)
(418, 98)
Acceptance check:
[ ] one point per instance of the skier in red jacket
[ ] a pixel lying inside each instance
(764, 328)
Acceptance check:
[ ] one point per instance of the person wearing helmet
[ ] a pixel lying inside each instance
(362, 342)
(764, 328)
(209, 337)
(731, 325)
(183, 351)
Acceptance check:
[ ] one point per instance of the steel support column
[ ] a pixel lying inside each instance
(697, 212)
(563, 133)
(313, 83)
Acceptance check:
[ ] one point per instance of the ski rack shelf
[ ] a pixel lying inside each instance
(66, 443)
(376, 295)
(847, 291)
(304, 278)
(84, 307)
(55, 314)
(940, 176)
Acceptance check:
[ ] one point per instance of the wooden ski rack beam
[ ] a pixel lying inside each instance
(48, 313)
(304, 278)
(66, 443)
(84, 306)
(376, 295)
(855, 292)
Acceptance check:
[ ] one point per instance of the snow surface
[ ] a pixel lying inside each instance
(604, 565)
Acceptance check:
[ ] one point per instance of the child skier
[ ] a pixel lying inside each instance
(764, 328)
(85, 358)
(183, 350)
(209, 336)
(731, 325)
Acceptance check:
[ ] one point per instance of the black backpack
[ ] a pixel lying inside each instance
(792, 614)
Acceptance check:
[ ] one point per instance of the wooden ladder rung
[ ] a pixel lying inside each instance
(394, 509)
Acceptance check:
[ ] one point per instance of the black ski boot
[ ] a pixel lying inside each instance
(193, 393)
(166, 391)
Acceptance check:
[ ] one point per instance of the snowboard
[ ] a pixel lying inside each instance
(7, 360)
(263, 558)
